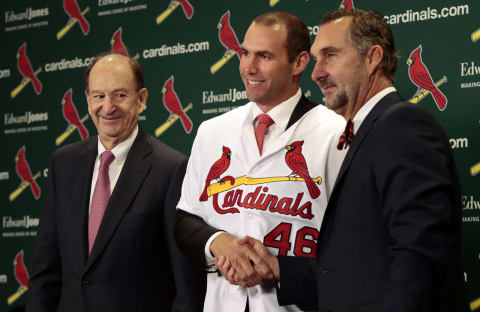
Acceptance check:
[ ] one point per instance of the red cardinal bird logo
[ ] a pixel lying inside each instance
(347, 5)
(296, 162)
(24, 172)
(70, 114)
(25, 68)
(421, 77)
(218, 168)
(20, 270)
(227, 36)
(187, 8)
(173, 105)
(72, 10)
(117, 42)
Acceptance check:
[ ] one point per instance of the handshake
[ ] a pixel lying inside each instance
(244, 261)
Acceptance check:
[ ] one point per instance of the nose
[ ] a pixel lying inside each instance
(318, 71)
(108, 106)
(248, 64)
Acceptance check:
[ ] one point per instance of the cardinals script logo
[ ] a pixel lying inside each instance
(347, 5)
(476, 35)
(229, 40)
(173, 105)
(73, 11)
(421, 77)
(299, 173)
(25, 174)
(186, 6)
(70, 114)
(21, 275)
(26, 70)
(118, 45)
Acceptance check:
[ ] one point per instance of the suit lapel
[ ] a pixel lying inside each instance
(302, 107)
(131, 178)
(386, 102)
(83, 174)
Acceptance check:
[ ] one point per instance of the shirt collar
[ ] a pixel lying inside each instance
(120, 151)
(280, 113)
(367, 107)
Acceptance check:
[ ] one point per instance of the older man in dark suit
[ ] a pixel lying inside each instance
(97, 252)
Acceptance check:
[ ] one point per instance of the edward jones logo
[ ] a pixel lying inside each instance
(25, 174)
(70, 113)
(229, 40)
(420, 76)
(75, 15)
(172, 103)
(25, 68)
(186, 6)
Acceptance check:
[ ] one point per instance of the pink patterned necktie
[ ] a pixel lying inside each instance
(100, 198)
(264, 121)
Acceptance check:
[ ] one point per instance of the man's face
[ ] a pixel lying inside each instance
(339, 70)
(113, 102)
(264, 67)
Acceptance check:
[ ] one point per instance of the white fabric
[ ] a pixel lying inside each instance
(120, 152)
(367, 107)
(320, 129)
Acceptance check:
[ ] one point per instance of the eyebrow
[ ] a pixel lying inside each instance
(259, 52)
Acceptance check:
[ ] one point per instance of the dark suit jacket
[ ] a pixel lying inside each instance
(192, 233)
(130, 266)
(390, 238)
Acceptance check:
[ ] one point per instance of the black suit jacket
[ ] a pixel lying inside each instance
(192, 233)
(390, 238)
(130, 266)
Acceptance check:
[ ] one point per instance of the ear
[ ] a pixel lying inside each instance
(143, 96)
(301, 62)
(374, 58)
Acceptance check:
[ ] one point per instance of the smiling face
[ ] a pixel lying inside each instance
(268, 77)
(339, 70)
(113, 101)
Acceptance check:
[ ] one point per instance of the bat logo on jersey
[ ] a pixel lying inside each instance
(118, 45)
(70, 114)
(229, 40)
(297, 163)
(26, 70)
(21, 275)
(186, 6)
(73, 11)
(174, 106)
(25, 174)
(421, 77)
(347, 5)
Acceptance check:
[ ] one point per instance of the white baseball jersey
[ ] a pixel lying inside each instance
(267, 197)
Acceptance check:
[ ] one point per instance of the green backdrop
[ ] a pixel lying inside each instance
(175, 39)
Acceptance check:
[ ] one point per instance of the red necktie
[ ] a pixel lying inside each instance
(100, 198)
(347, 136)
(264, 121)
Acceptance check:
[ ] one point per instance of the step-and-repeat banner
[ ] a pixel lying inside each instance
(47, 44)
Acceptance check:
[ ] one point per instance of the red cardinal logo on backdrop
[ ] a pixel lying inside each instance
(421, 77)
(295, 161)
(217, 169)
(347, 5)
(25, 68)
(173, 105)
(70, 114)
(187, 8)
(72, 9)
(227, 36)
(20, 270)
(117, 42)
(24, 172)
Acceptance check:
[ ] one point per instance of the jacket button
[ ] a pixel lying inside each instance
(86, 284)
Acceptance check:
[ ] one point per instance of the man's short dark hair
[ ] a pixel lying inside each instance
(298, 37)
(134, 65)
(369, 28)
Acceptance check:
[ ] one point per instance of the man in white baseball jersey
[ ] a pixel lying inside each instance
(264, 169)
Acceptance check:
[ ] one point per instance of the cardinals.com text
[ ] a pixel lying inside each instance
(68, 64)
(427, 14)
(179, 48)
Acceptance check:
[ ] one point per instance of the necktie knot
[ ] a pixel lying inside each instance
(263, 122)
(106, 159)
(347, 136)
